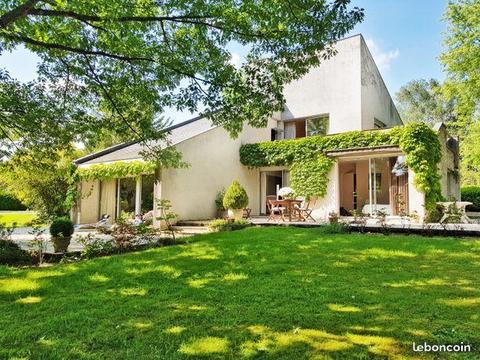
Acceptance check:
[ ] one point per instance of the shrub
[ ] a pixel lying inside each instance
(9, 202)
(472, 194)
(335, 228)
(10, 252)
(235, 197)
(433, 213)
(219, 200)
(61, 226)
(220, 225)
(94, 246)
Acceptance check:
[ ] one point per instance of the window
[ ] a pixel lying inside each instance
(378, 182)
(377, 124)
(127, 194)
(147, 192)
(317, 126)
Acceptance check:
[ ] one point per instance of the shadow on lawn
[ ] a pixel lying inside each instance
(268, 293)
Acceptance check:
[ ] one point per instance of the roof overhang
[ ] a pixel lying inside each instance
(366, 152)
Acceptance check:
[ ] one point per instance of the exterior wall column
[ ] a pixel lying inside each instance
(157, 195)
(138, 195)
(263, 192)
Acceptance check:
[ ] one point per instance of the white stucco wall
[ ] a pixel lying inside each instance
(348, 87)
(332, 88)
(376, 101)
(214, 162)
(416, 198)
(89, 207)
(331, 201)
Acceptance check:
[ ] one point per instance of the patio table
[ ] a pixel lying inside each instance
(461, 205)
(289, 205)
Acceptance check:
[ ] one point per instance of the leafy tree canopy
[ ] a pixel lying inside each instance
(461, 57)
(133, 59)
(41, 179)
(423, 101)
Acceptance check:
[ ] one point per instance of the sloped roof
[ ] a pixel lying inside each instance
(131, 150)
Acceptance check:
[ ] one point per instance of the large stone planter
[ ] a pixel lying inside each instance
(236, 214)
(60, 244)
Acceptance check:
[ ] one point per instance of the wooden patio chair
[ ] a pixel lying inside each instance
(275, 212)
(305, 210)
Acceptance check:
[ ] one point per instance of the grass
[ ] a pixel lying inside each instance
(21, 218)
(258, 293)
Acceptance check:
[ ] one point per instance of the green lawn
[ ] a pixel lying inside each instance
(21, 218)
(262, 293)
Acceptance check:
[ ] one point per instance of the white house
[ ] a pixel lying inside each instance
(345, 93)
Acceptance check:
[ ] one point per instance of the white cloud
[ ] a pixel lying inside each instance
(382, 58)
(236, 60)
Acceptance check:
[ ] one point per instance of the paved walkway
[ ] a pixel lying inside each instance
(467, 229)
(23, 236)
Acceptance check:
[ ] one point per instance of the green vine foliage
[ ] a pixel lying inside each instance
(119, 169)
(304, 179)
(422, 147)
(310, 167)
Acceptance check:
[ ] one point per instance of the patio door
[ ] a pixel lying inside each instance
(398, 188)
(378, 186)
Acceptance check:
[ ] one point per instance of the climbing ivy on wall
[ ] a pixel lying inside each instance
(115, 170)
(310, 167)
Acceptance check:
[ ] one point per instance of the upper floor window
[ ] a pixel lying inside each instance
(317, 125)
(377, 124)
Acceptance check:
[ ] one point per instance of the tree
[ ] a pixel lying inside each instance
(470, 152)
(39, 114)
(133, 59)
(423, 101)
(41, 179)
(461, 58)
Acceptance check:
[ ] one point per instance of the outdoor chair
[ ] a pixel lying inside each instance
(305, 210)
(275, 212)
(246, 213)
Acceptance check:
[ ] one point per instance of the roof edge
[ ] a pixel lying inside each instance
(114, 148)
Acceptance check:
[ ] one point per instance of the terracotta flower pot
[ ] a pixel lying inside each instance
(60, 244)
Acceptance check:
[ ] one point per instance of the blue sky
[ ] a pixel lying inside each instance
(404, 36)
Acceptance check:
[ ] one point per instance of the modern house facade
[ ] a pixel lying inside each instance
(345, 93)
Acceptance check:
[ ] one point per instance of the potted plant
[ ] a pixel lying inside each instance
(235, 200)
(221, 211)
(61, 231)
(286, 193)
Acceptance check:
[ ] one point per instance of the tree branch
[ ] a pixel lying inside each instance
(186, 19)
(55, 46)
(84, 17)
(17, 13)
(129, 59)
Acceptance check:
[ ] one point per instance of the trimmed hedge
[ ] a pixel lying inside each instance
(63, 226)
(9, 202)
(472, 194)
(235, 197)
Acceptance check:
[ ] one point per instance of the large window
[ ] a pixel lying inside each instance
(147, 193)
(127, 194)
(317, 125)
